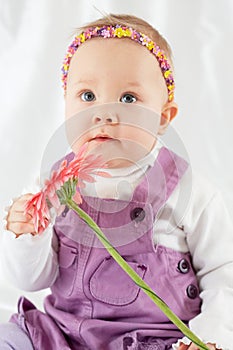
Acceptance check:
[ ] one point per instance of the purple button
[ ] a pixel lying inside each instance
(137, 214)
(65, 211)
(192, 291)
(183, 266)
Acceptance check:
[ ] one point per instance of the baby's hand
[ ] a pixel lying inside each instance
(192, 346)
(18, 222)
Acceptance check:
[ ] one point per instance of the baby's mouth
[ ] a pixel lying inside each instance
(102, 138)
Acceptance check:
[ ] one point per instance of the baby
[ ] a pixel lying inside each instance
(182, 250)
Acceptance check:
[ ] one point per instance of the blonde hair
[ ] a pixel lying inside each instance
(136, 23)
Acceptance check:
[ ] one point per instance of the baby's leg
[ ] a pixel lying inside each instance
(14, 338)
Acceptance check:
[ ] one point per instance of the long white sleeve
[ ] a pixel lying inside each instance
(211, 245)
(30, 262)
(206, 230)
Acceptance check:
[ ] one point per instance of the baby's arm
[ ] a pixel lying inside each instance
(208, 235)
(210, 240)
(30, 261)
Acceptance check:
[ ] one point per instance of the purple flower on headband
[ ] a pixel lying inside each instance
(76, 42)
(144, 40)
(100, 31)
(135, 36)
(72, 50)
(105, 33)
(164, 66)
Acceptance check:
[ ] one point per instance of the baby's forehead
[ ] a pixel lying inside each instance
(112, 55)
(123, 50)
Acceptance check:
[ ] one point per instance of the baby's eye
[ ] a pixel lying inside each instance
(128, 98)
(88, 96)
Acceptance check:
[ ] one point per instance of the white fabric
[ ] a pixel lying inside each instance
(205, 230)
(123, 180)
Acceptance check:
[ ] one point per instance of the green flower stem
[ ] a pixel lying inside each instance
(134, 276)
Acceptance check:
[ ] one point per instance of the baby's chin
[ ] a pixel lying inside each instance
(110, 161)
(114, 152)
(119, 163)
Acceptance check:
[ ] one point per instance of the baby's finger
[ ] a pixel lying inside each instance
(183, 347)
(19, 204)
(26, 196)
(192, 346)
(19, 228)
(15, 216)
(211, 346)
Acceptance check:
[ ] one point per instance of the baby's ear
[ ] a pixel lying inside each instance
(169, 111)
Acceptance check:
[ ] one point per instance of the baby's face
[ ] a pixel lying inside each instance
(114, 70)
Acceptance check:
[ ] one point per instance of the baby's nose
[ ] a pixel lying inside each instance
(105, 119)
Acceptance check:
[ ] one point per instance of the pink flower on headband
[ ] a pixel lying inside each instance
(80, 170)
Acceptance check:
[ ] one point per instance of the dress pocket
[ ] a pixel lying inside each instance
(68, 259)
(111, 285)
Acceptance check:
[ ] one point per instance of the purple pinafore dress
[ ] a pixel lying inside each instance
(94, 304)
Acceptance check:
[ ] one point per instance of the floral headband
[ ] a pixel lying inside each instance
(118, 31)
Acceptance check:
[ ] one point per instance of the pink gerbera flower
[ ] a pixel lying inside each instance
(81, 169)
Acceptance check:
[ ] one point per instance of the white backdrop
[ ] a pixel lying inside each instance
(34, 35)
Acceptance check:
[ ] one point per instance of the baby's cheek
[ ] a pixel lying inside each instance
(140, 136)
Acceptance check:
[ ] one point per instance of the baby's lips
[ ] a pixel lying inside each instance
(101, 138)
